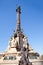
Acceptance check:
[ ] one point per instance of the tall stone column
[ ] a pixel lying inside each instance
(18, 28)
(18, 19)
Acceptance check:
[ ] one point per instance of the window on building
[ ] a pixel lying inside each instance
(10, 58)
(33, 57)
(6, 58)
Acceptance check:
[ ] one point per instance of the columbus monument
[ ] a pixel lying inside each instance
(19, 51)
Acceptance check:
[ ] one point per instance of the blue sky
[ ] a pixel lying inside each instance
(31, 22)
